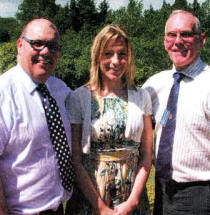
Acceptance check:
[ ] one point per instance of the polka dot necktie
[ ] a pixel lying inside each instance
(58, 137)
(163, 163)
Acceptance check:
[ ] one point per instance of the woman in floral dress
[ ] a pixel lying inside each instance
(111, 132)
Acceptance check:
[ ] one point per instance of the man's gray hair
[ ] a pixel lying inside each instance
(197, 25)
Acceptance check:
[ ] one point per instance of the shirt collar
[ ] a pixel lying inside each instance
(193, 69)
(27, 80)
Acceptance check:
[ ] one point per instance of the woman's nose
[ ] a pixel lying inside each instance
(115, 59)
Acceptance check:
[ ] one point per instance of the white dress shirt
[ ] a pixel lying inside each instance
(28, 165)
(191, 147)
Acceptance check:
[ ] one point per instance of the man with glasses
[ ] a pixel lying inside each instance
(181, 110)
(33, 141)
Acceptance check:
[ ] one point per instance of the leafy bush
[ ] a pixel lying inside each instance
(8, 54)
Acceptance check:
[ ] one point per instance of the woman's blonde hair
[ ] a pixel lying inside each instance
(112, 31)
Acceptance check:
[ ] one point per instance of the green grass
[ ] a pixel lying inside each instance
(151, 188)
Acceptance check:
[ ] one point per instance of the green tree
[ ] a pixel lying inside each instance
(196, 9)
(205, 8)
(74, 62)
(4, 35)
(196, 6)
(129, 18)
(78, 25)
(180, 4)
(165, 11)
(62, 19)
(8, 54)
(103, 12)
(205, 24)
(74, 18)
(84, 13)
(29, 9)
(87, 12)
(9, 29)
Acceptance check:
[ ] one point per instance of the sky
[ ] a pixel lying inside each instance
(8, 8)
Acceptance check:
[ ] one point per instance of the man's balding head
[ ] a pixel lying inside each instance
(38, 48)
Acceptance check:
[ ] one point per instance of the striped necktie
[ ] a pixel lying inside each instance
(163, 163)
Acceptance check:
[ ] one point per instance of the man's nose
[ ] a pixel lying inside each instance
(179, 38)
(45, 50)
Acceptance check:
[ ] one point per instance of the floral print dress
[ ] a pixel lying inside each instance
(113, 160)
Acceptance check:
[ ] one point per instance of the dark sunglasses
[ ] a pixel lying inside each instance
(38, 45)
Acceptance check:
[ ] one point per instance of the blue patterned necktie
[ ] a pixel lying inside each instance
(163, 163)
(58, 137)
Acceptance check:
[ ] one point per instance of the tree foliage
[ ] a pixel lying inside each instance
(9, 29)
(79, 21)
(129, 18)
(30, 9)
(181, 4)
(74, 61)
(8, 53)
(84, 13)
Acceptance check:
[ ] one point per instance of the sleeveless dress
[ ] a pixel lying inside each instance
(113, 160)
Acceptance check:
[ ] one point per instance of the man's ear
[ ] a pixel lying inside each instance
(19, 45)
(19, 42)
(203, 38)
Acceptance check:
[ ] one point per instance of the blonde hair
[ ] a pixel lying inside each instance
(112, 31)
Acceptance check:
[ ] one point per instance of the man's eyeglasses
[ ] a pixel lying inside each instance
(185, 35)
(38, 45)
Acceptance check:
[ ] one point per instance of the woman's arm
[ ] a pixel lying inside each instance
(82, 178)
(128, 206)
